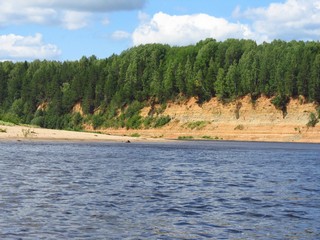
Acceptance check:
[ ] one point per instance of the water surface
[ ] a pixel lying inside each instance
(181, 190)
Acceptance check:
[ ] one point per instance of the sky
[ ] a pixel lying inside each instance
(69, 29)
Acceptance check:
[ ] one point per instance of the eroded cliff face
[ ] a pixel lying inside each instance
(239, 120)
(243, 110)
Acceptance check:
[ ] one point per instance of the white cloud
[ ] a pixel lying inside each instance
(119, 35)
(17, 47)
(74, 20)
(61, 12)
(293, 19)
(187, 29)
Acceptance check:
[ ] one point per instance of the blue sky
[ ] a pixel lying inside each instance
(67, 30)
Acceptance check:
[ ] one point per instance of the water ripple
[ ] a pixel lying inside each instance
(207, 190)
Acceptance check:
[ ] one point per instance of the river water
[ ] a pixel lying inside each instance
(179, 190)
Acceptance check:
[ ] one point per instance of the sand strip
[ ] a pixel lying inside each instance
(21, 133)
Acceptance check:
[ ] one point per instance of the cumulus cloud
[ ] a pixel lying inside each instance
(293, 19)
(17, 47)
(62, 12)
(74, 20)
(187, 29)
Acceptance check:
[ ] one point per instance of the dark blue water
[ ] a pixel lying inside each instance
(192, 190)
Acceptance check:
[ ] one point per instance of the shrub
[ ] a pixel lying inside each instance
(162, 121)
(207, 137)
(197, 125)
(38, 121)
(112, 123)
(11, 118)
(77, 119)
(97, 121)
(133, 109)
(185, 137)
(135, 135)
(134, 122)
(147, 122)
(162, 108)
(281, 102)
(312, 120)
(156, 122)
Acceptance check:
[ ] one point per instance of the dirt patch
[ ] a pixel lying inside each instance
(77, 108)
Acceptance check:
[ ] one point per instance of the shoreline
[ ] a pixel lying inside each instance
(28, 133)
(226, 133)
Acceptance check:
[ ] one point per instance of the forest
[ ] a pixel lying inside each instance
(111, 91)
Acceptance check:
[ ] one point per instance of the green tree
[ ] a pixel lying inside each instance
(15, 81)
(211, 77)
(220, 85)
(232, 81)
(199, 88)
(3, 84)
(180, 79)
(169, 81)
(189, 78)
(314, 86)
(304, 74)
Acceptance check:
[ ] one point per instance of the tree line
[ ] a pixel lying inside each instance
(111, 91)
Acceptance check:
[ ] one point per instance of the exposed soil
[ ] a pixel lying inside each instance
(241, 120)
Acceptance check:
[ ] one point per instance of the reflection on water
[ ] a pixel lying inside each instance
(193, 190)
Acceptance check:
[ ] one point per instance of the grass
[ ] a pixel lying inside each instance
(3, 130)
(6, 123)
(135, 135)
(198, 125)
(207, 137)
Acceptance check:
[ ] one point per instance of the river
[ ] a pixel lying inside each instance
(176, 190)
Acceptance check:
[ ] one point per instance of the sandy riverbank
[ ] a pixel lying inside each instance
(264, 133)
(24, 133)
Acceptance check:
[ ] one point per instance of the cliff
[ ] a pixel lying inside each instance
(238, 120)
